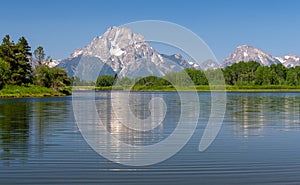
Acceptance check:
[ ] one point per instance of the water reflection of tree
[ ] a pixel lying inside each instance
(26, 127)
(45, 119)
(14, 131)
(251, 113)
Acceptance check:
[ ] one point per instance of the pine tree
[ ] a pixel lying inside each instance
(18, 57)
(23, 57)
(6, 50)
(39, 54)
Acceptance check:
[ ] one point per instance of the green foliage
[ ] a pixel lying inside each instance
(152, 81)
(240, 73)
(18, 57)
(280, 71)
(39, 54)
(43, 76)
(55, 78)
(197, 76)
(105, 81)
(251, 73)
(4, 72)
(214, 77)
(7, 50)
(293, 76)
(60, 76)
(27, 91)
(16, 69)
(264, 75)
(243, 74)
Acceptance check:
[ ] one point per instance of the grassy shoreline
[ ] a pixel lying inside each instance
(28, 91)
(37, 91)
(204, 88)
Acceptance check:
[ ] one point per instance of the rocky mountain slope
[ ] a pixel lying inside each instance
(127, 54)
(249, 53)
(289, 60)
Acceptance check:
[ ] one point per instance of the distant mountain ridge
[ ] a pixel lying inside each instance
(249, 53)
(121, 51)
(289, 60)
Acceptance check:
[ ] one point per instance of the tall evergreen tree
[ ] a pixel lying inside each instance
(6, 50)
(39, 54)
(18, 57)
(23, 57)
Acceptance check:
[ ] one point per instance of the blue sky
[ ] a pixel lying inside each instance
(61, 26)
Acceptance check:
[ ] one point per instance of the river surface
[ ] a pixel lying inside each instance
(259, 142)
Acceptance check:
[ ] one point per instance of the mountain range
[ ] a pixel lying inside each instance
(121, 51)
(250, 53)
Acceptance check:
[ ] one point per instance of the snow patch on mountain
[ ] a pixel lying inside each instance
(289, 60)
(249, 53)
(129, 54)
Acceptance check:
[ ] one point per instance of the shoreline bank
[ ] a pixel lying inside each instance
(28, 91)
(193, 89)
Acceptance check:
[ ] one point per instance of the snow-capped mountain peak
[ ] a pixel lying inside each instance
(249, 53)
(114, 42)
(289, 60)
(128, 54)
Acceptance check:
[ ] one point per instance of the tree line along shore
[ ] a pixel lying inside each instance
(24, 74)
(241, 77)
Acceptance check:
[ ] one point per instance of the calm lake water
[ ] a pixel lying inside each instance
(258, 143)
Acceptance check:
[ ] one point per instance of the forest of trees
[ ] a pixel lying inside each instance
(252, 73)
(17, 67)
(239, 74)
